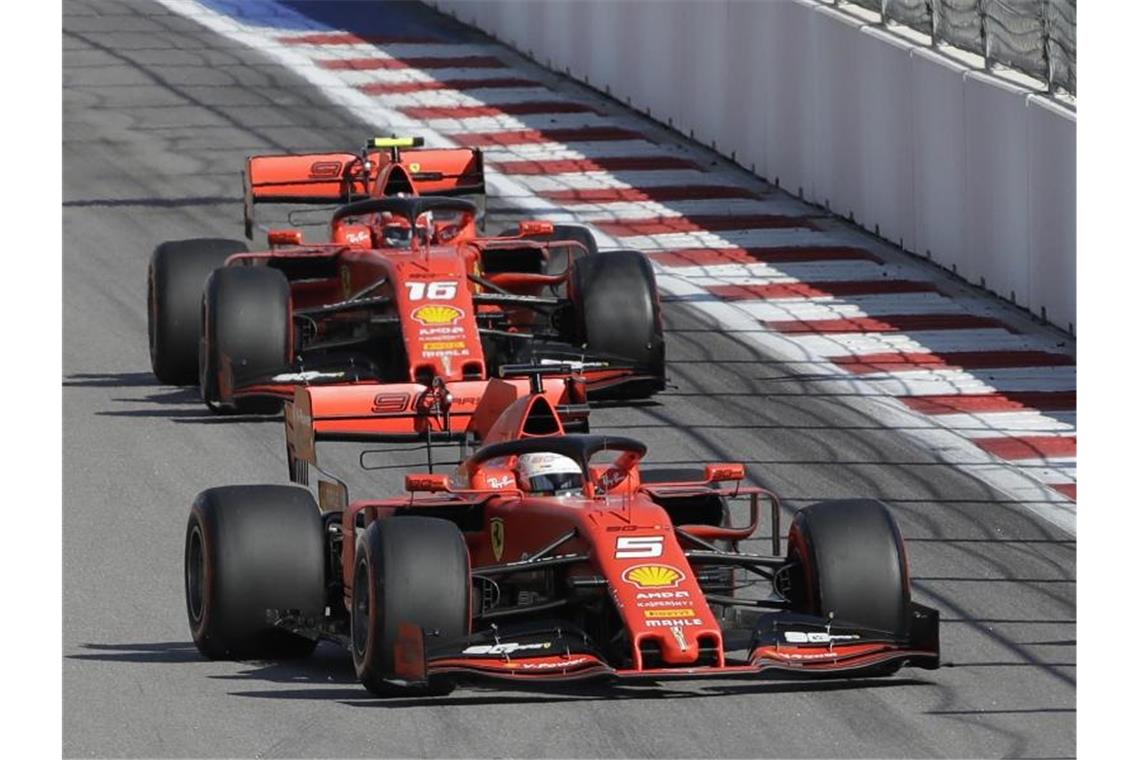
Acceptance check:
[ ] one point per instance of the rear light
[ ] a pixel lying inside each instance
(284, 237)
(429, 482)
(531, 228)
(722, 471)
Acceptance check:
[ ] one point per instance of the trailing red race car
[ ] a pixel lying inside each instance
(549, 557)
(406, 295)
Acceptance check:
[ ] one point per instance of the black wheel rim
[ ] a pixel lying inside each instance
(195, 574)
(361, 609)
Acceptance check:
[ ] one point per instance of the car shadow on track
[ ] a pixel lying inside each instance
(201, 416)
(532, 694)
(542, 694)
(159, 652)
(109, 380)
(180, 404)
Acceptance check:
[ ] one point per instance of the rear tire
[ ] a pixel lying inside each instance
(247, 318)
(851, 562)
(618, 317)
(250, 549)
(176, 277)
(407, 570)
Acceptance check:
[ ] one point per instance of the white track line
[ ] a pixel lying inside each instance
(357, 78)
(623, 179)
(937, 341)
(545, 151)
(986, 424)
(360, 50)
(489, 96)
(813, 271)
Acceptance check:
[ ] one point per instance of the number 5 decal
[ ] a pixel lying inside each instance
(639, 547)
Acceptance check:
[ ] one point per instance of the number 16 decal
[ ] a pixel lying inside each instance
(443, 290)
(639, 547)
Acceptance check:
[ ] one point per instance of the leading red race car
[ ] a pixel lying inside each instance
(550, 557)
(406, 298)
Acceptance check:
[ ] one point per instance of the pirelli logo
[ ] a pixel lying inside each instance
(678, 613)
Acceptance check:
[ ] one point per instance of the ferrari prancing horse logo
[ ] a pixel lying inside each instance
(498, 537)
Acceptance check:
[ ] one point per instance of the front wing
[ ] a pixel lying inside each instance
(790, 644)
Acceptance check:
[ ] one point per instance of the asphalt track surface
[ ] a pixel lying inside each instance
(158, 115)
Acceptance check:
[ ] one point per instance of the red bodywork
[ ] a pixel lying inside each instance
(630, 550)
(436, 293)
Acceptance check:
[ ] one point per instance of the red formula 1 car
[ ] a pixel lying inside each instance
(551, 557)
(407, 296)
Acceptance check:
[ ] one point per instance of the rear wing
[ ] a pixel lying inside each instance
(394, 412)
(335, 178)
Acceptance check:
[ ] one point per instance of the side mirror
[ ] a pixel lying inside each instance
(284, 237)
(427, 482)
(722, 471)
(532, 228)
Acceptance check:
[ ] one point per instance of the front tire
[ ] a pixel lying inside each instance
(175, 278)
(247, 318)
(848, 559)
(407, 570)
(250, 549)
(618, 317)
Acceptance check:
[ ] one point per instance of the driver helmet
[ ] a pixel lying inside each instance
(549, 474)
(396, 232)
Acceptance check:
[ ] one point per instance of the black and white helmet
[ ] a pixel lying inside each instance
(549, 474)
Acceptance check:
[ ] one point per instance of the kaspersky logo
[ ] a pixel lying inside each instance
(653, 576)
(437, 314)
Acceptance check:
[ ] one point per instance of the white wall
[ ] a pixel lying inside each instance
(977, 172)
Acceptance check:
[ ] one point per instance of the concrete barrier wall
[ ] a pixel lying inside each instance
(948, 162)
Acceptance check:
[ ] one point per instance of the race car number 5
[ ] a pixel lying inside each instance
(444, 290)
(639, 547)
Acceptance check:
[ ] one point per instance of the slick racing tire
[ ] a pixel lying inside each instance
(175, 278)
(847, 558)
(247, 317)
(407, 570)
(249, 550)
(617, 317)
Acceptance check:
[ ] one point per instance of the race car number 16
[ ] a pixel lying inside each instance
(444, 290)
(639, 547)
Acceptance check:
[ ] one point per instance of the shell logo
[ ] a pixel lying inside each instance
(437, 314)
(653, 576)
